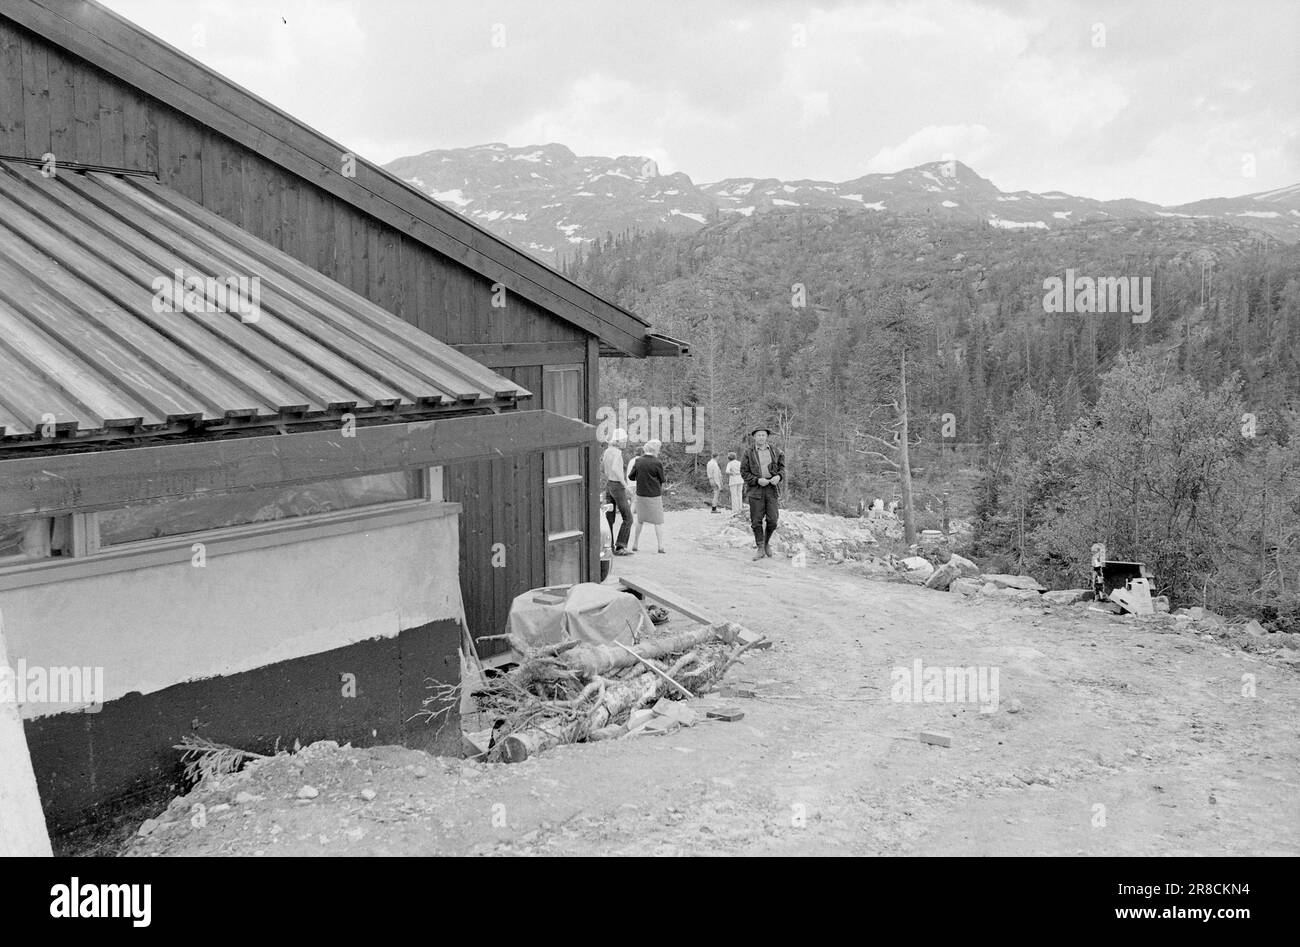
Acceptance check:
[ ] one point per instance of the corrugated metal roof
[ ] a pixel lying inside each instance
(87, 263)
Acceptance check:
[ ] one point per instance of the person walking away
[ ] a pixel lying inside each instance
(762, 469)
(714, 473)
(735, 482)
(649, 476)
(618, 489)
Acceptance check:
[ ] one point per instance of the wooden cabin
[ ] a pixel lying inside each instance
(274, 425)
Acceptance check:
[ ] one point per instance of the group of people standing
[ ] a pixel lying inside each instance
(756, 475)
(647, 471)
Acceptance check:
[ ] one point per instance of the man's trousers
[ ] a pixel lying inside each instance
(763, 510)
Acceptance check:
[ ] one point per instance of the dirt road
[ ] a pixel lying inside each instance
(1109, 738)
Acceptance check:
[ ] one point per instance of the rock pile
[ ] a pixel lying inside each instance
(815, 535)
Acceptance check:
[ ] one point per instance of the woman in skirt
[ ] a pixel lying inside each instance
(649, 476)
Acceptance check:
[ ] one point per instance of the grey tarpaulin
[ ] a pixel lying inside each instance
(598, 614)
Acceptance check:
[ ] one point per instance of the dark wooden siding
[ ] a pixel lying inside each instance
(51, 101)
(502, 502)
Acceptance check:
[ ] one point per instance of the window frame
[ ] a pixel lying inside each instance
(551, 480)
(90, 559)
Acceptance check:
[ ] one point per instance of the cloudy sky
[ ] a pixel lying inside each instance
(1163, 100)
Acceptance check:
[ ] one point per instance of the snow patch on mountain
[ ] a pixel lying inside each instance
(1017, 224)
(454, 196)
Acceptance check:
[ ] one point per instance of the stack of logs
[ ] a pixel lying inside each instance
(572, 692)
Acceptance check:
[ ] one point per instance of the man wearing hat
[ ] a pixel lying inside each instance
(762, 469)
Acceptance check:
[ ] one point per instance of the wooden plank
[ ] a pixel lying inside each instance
(64, 131)
(500, 483)
(36, 98)
(433, 307)
(344, 261)
(12, 99)
(319, 213)
(661, 595)
(112, 124)
(293, 238)
(410, 269)
(375, 288)
(118, 47)
(85, 83)
(54, 484)
(216, 189)
(506, 354)
(139, 134)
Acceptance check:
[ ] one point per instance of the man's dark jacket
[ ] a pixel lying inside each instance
(751, 470)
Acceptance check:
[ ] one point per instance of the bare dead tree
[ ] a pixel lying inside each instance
(895, 450)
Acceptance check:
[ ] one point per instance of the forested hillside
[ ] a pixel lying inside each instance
(805, 320)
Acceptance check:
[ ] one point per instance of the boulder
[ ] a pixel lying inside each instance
(917, 567)
(942, 577)
(967, 568)
(1015, 582)
(965, 586)
(1027, 595)
(1207, 617)
(1066, 596)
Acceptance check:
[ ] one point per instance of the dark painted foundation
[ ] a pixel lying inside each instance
(93, 766)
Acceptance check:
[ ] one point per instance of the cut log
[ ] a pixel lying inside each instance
(646, 661)
(621, 697)
(597, 660)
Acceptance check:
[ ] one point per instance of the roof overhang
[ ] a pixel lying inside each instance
(138, 58)
(56, 484)
(656, 345)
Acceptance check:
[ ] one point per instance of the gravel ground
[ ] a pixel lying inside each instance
(1110, 737)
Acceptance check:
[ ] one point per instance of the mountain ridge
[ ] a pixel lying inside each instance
(550, 201)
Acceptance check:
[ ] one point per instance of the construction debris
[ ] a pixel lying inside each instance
(936, 737)
(728, 714)
(573, 692)
(1067, 596)
(1021, 582)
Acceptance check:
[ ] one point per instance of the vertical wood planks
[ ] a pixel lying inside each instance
(12, 100)
(343, 250)
(85, 87)
(36, 99)
(140, 133)
(112, 124)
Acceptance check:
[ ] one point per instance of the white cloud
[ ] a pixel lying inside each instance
(969, 144)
